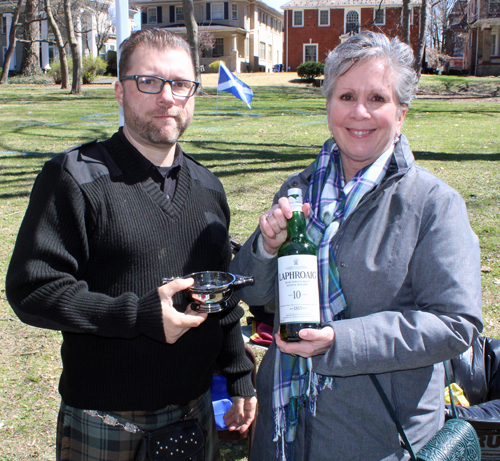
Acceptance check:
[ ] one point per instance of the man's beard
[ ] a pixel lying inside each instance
(167, 134)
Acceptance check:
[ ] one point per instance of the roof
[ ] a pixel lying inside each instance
(341, 3)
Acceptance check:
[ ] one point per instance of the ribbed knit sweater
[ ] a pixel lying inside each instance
(97, 239)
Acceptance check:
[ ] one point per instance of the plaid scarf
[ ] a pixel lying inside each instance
(295, 384)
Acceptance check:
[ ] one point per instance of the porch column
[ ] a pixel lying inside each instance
(234, 53)
(8, 23)
(45, 46)
(78, 34)
(91, 40)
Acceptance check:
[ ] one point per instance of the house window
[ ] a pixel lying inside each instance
(310, 52)
(152, 16)
(234, 11)
(352, 22)
(379, 17)
(298, 18)
(324, 18)
(179, 13)
(53, 52)
(4, 25)
(269, 53)
(494, 45)
(217, 10)
(494, 7)
(218, 47)
(262, 51)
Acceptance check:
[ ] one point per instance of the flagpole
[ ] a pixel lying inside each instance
(217, 103)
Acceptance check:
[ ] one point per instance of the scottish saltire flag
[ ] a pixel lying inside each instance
(228, 82)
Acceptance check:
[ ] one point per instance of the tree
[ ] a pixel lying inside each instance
(12, 43)
(422, 36)
(406, 21)
(192, 35)
(76, 86)
(60, 45)
(100, 21)
(439, 23)
(31, 61)
(206, 41)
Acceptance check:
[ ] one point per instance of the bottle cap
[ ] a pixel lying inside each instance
(295, 199)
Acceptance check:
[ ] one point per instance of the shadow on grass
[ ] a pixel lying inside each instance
(226, 159)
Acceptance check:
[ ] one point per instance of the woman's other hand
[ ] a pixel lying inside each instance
(314, 342)
(241, 414)
(273, 224)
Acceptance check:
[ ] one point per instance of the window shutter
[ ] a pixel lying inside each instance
(226, 10)
(208, 10)
(159, 19)
(172, 13)
(144, 18)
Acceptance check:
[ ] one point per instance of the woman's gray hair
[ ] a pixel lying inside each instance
(371, 45)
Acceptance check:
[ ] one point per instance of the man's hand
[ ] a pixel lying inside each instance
(314, 342)
(241, 414)
(176, 323)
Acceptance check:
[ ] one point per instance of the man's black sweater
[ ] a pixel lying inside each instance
(97, 239)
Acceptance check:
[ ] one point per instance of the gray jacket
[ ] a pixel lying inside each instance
(409, 266)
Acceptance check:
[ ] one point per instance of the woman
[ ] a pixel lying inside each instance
(409, 270)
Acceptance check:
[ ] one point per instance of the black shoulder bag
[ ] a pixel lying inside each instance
(455, 441)
(180, 441)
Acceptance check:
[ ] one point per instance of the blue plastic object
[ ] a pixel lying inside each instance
(221, 401)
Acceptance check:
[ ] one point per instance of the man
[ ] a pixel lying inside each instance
(106, 222)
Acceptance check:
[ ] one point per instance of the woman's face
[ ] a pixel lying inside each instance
(363, 114)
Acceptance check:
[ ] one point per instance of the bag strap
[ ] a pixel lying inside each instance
(394, 416)
(452, 400)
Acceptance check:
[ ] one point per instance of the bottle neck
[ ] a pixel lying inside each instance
(296, 226)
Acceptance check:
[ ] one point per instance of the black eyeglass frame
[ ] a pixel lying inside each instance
(163, 81)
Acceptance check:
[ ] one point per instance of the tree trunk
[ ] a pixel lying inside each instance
(76, 86)
(31, 51)
(406, 21)
(63, 60)
(424, 14)
(192, 36)
(12, 43)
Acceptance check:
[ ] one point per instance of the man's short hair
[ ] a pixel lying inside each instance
(158, 39)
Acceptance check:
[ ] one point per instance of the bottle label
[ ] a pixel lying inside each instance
(298, 289)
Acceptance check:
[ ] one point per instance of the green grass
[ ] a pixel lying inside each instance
(252, 152)
(460, 84)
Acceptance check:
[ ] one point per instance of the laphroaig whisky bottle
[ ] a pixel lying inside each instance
(297, 276)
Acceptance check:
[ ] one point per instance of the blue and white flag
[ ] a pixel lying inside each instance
(232, 84)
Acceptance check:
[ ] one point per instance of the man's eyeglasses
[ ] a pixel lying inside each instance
(154, 85)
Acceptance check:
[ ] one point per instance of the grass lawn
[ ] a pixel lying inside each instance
(252, 152)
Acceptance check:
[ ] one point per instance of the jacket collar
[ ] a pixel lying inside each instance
(403, 155)
(403, 160)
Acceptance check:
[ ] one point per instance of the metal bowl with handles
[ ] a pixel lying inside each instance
(212, 289)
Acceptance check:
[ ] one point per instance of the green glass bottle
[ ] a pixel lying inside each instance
(297, 276)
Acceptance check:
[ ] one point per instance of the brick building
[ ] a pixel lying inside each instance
(315, 27)
(480, 26)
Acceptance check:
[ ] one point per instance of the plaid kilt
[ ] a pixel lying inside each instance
(81, 437)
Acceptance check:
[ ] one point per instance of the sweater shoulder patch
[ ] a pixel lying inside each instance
(203, 175)
(88, 162)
